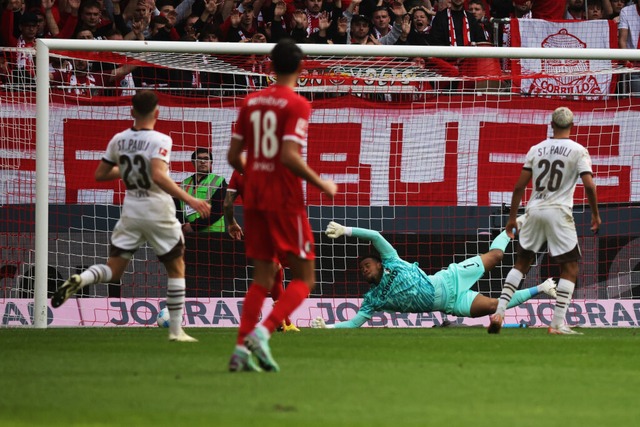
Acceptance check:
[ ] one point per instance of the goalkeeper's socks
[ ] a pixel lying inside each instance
(176, 290)
(277, 289)
(251, 308)
(99, 273)
(297, 291)
(523, 295)
(565, 292)
(511, 284)
(500, 242)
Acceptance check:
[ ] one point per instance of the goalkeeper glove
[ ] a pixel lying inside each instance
(318, 323)
(335, 230)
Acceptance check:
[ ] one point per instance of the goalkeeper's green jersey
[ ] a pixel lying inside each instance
(404, 287)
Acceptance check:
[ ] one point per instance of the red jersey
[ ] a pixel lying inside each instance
(266, 119)
(548, 9)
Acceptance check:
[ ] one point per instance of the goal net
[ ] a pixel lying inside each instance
(425, 148)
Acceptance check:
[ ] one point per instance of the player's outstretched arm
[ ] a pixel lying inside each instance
(384, 248)
(160, 175)
(356, 322)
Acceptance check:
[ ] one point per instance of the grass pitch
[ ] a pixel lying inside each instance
(365, 377)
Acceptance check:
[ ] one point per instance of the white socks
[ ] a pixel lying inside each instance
(176, 290)
(511, 285)
(565, 292)
(99, 273)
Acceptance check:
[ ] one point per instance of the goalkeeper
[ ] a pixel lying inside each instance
(398, 286)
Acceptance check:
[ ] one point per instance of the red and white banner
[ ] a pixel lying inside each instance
(563, 76)
(225, 312)
(458, 151)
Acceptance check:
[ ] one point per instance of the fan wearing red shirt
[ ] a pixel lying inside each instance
(235, 189)
(548, 9)
(272, 128)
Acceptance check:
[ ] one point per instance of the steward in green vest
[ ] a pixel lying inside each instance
(204, 185)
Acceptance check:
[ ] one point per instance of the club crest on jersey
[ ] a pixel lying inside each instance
(163, 151)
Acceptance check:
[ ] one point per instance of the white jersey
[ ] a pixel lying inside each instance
(132, 151)
(556, 165)
(630, 20)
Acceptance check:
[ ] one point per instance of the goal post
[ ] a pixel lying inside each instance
(396, 205)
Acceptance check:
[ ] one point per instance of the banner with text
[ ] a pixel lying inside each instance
(456, 151)
(225, 312)
(575, 77)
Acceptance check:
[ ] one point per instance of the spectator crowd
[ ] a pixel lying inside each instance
(376, 22)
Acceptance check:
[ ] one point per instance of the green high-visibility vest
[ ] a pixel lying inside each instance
(204, 191)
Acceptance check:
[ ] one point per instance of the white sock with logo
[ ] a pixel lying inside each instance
(176, 291)
(565, 292)
(511, 285)
(99, 273)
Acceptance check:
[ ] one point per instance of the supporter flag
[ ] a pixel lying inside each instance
(563, 76)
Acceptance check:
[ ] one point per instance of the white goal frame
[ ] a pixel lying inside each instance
(44, 46)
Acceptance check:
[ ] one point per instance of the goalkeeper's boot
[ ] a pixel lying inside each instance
(563, 330)
(64, 292)
(242, 361)
(495, 324)
(181, 337)
(258, 343)
(549, 288)
(289, 327)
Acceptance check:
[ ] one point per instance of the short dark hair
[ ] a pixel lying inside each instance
(201, 150)
(361, 18)
(162, 3)
(371, 255)
(144, 102)
(480, 2)
(89, 4)
(286, 57)
(379, 8)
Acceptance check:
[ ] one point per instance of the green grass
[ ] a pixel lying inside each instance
(366, 377)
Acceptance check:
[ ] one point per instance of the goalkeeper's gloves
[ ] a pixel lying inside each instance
(318, 323)
(335, 230)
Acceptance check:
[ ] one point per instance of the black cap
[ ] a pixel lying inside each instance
(360, 18)
(28, 18)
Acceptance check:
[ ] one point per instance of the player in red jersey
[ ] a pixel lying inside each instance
(235, 189)
(272, 128)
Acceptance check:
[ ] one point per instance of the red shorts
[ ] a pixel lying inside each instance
(269, 235)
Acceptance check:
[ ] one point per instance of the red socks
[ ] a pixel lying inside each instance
(277, 289)
(251, 308)
(297, 291)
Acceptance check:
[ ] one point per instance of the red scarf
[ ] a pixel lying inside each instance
(313, 23)
(25, 60)
(452, 31)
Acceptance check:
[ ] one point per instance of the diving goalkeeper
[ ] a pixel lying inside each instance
(398, 286)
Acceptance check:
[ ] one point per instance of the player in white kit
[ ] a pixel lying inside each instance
(140, 157)
(554, 165)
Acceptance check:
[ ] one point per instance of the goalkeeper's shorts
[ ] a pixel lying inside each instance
(453, 294)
